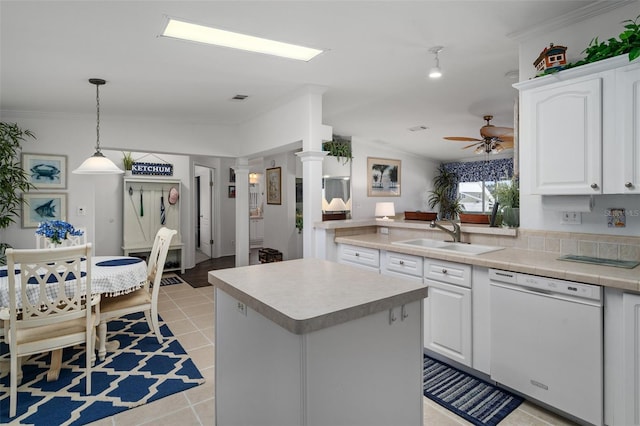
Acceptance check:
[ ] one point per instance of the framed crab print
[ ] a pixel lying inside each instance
(46, 171)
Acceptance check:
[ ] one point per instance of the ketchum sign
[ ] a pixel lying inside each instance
(155, 169)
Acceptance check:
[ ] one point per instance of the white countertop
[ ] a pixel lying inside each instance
(306, 295)
(516, 260)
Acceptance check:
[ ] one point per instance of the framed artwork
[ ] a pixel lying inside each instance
(40, 207)
(46, 171)
(232, 175)
(274, 185)
(232, 191)
(383, 177)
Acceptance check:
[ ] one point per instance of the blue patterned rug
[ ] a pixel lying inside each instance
(140, 371)
(477, 401)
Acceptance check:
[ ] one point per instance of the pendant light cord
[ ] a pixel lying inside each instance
(98, 117)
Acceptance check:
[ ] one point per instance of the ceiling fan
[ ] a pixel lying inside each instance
(494, 139)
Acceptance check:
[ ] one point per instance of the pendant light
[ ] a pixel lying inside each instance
(436, 72)
(97, 164)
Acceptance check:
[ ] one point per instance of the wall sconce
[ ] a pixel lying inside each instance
(385, 209)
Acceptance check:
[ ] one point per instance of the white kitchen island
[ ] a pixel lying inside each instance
(313, 342)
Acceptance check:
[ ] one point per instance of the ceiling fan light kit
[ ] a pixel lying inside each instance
(435, 71)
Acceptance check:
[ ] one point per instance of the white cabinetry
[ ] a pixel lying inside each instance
(142, 200)
(363, 257)
(622, 161)
(481, 319)
(622, 358)
(579, 129)
(447, 315)
(401, 265)
(256, 232)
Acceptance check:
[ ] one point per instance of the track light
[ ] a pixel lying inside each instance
(436, 72)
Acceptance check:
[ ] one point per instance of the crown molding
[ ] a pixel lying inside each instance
(589, 11)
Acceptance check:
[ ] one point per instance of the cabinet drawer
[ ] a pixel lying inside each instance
(403, 263)
(359, 255)
(448, 272)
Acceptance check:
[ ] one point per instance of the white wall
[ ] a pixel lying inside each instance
(576, 37)
(280, 232)
(416, 174)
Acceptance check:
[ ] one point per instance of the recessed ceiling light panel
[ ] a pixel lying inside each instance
(209, 35)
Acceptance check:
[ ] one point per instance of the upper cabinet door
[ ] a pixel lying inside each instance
(562, 136)
(622, 156)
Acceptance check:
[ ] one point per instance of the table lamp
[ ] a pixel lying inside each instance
(385, 209)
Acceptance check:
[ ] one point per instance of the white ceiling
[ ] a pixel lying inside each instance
(374, 69)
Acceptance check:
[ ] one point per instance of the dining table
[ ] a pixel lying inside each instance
(110, 276)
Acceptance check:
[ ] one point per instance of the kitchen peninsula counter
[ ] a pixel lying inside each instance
(310, 341)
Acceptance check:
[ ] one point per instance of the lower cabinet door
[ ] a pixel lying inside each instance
(447, 321)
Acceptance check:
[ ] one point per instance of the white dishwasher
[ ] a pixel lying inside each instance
(547, 341)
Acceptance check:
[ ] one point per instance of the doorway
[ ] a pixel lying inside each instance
(204, 208)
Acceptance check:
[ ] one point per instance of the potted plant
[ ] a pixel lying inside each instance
(508, 195)
(339, 147)
(13, 179)
(127, 162)
(443, 194)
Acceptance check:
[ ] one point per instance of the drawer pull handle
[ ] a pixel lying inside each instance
(401, 262)
(403, 313)
(628, 185)
(392, 316)
(444, 271)
(357, 254)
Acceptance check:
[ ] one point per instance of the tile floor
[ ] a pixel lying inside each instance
(189, 314)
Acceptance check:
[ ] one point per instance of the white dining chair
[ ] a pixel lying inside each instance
(42, 242)
(56, 306)
(144, 299)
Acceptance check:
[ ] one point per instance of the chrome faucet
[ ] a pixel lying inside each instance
(455, 234)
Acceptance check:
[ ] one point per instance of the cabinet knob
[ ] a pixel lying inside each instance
(357, 254)
(628, 185)
(594, 185)
(401, 262)
(444, 271)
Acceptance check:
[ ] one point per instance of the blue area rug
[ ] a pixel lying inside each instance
(139, 372)
(473, 399)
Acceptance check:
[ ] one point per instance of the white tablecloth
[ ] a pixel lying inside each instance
(107, 280)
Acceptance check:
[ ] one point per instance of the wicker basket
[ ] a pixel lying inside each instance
(420, 215)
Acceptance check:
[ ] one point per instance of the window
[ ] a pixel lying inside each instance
(479, 197)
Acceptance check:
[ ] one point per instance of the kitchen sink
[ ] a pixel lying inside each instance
(448, 246)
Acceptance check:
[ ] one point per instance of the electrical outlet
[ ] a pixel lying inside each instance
(242, 308)
(384, 231)
(571, 218)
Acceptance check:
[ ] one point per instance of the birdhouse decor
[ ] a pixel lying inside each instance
(551, 58)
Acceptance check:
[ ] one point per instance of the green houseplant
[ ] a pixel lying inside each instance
(508, 195)
(443, 194)
(13, 179)
(127, 161)
(339, 147)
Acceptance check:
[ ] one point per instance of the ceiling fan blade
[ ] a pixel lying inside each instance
(462, 139)
(494, 131)
(507, 145)
(473, 144)
(506, 138)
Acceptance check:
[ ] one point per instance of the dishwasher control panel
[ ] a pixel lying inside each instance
(551, 285)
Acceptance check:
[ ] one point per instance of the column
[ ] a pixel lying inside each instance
(311, 196)
(242, 211)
